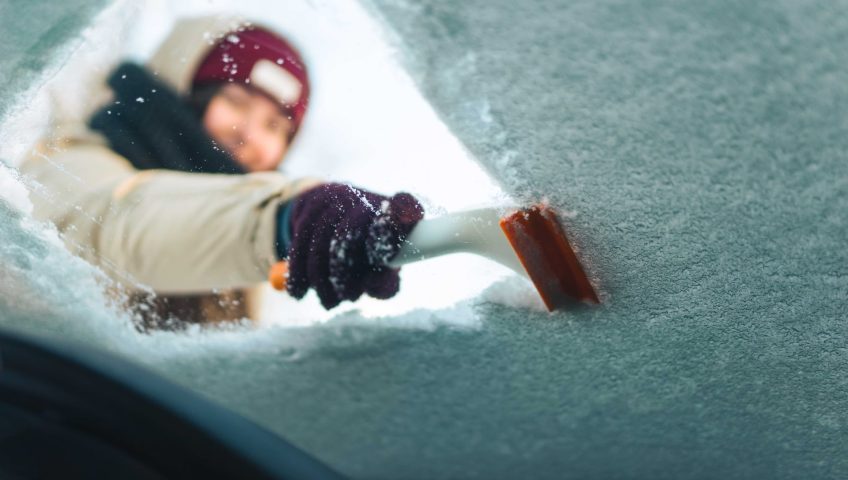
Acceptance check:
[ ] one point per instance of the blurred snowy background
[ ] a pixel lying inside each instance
(700, 150)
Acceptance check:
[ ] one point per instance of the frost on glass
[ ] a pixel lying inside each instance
(699, 149)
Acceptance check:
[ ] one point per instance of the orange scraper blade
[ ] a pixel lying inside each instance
(542, 246)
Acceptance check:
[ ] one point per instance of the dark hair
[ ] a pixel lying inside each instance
(200, 97)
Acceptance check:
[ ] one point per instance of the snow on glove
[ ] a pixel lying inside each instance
(342, 238)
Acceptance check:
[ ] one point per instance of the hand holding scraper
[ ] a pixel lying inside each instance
(349, 241)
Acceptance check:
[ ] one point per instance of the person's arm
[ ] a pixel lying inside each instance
(174, 232)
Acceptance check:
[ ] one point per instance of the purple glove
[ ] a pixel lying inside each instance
(342, 238)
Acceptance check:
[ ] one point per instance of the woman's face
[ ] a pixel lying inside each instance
(250, 126)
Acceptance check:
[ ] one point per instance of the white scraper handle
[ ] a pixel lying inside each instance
(471, 231)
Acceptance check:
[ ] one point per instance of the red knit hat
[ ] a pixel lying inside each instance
(262, 60)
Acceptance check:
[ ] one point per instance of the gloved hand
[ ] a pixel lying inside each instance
(342, 238)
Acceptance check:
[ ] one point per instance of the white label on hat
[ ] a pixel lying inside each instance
(276, 80)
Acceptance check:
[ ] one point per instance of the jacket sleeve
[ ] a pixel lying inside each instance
(171, 231)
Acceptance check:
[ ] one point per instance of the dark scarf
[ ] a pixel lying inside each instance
(150, 125)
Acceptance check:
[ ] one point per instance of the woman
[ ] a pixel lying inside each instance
(173, 183)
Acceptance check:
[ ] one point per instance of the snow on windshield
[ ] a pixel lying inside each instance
(699, 149)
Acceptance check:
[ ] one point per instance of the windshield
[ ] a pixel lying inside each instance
(694, 154)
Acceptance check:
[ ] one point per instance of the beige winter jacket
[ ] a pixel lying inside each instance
(174, 232)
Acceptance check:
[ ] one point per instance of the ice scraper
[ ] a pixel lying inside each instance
(530, 241)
